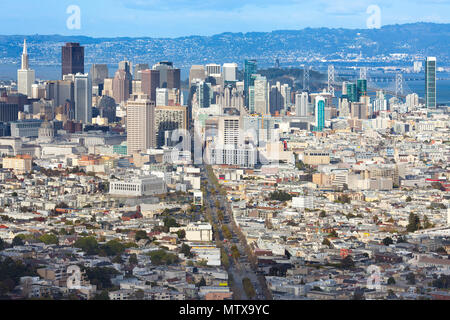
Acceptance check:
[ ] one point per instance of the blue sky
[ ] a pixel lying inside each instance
(174, 18)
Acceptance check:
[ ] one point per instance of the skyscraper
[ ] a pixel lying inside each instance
(98, 74)
(229, 72)
(213, 69)
(261, 95)
(83, 98)
(197, 72)
(169, 77)
(121, 86)
(250, 68)
(361, 88)
(72, 59)
(430, 82)
(25, 76)
(320, 113)
(150, 82)
(301, 104)
(137, 68)
(140, 124)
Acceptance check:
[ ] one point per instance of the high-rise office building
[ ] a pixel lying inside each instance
(150, 82)
(203, 91)
(61, 92)
(301, 104)
(25, 76)
(229, 72)
(140, 124)
(169, 77)
(98, 74)
(213, 69)
(162, 97)
(430, 82)
(320, 113)
(83, 98)
(361, 88)
(229, 131)
(197, 72)
(167, 119)
(139, 67)
(250, 68)
(261, 95)
(352, 92)
(72, 59)
(121, 86)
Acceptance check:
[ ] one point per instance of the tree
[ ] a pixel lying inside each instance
(133, 259)
(248, 288)
(186, 250)
(326, 242)
(2, 244)
(387, 241)
(18, 241)
(49, 239)
(114, 248)
(181, 234)
(411, 278)
(426, 223)
(347, 263)
(391, 281)
(408, 199)
(414, 223)
(201, 283)
(141, 234)
(102, 296)
(322, 214)
(88, 245)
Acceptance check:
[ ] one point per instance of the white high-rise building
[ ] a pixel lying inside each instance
(141, 134)
(25, 76)
(213, 70)
(83, 97)
(301, 104)
(229, 131)
(261, 95)
(229, 72)
(162, 97)
(412, 100)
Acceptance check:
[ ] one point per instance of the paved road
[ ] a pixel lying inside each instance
(241, 268)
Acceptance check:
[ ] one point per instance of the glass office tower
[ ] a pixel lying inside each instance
(430, 83)
(250, 68)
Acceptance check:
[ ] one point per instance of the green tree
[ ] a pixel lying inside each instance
(248, 288)
(101, 296)
(186, 250)
(133, 260)
(141, 234)
(347, 263)
(181, 234)
(391, 281)
(88, 244)
(413, 223)
(49, 239)
(18, 240)
(114, 248)
(387, 241)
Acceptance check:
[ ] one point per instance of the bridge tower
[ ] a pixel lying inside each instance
(331, 79)
(398, 84)
(306, 77)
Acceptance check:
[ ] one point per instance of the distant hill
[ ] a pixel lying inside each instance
(292, 47)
